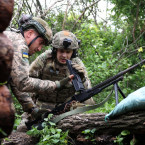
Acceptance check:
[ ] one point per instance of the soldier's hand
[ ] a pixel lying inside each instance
(37, 113)
(79, 68)
(60, 84)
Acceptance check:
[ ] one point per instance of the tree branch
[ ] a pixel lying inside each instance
(20, 4)
(136, 21)
(28, 6)
(68, 3)
(128, 47)
(84, 12)
(40, 7)
(46, 11)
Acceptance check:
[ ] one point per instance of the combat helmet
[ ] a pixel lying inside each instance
(41, 26)
(65, 40)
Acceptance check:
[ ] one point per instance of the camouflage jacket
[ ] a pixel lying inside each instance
(45, 67)
(20, 80)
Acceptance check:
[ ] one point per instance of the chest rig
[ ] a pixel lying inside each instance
(53, 71)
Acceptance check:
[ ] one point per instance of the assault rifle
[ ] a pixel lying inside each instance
(85, 94)
(77, 82)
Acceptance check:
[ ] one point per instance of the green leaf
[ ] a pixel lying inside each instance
(56, 135)
(50, 116)
(120, 139)
(93, 130)
(55, 141)
(47, 137)
(45, 119)
(58, 130)
(53, 131)
(125, 132)
(86, 131)
(52, 124)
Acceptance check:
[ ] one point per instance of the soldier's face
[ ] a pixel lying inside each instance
(63, 54)
(37, 44)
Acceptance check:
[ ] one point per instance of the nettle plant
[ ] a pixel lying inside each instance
(50, 134)
(120, 139)
(90, 134)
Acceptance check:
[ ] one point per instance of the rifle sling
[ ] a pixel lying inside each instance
(80, 110)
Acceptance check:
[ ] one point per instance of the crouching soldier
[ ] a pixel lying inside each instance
(51, 65)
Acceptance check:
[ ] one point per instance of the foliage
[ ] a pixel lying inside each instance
(18, 112)
(107, 107)
(2, 132)
(17, 121)
(89, 134)
(120, 138)
(96, 47)
(49, 134)
(107, 47)
(17, 105)
(133, 12)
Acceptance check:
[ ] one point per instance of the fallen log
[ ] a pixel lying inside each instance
(105, 133)
(133, 121)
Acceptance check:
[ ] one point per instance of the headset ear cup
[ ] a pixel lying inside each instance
(75, 54)
(54, 51)
(79, 42)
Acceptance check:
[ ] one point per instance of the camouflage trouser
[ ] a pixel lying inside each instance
(27, 117)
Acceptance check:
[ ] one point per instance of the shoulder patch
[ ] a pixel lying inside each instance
(25, 54)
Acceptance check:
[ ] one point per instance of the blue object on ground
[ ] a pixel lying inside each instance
(134, 102)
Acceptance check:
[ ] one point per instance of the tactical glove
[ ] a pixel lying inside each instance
(60, 84)
(79, 68)
(37, 113)
(28, 106)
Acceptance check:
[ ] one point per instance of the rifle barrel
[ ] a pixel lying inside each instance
(119, 74)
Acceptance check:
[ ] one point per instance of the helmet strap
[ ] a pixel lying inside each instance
(22, 32)
(74, 54)
(33, 40)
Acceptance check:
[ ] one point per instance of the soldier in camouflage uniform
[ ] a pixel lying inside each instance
(34, 33)
(51, 65)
